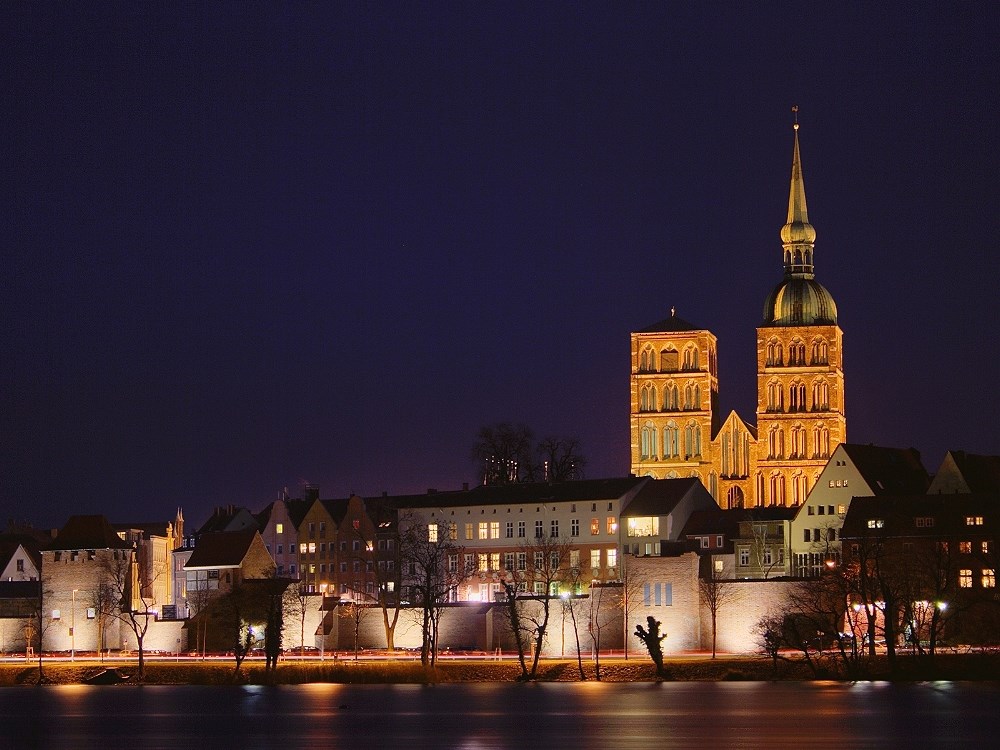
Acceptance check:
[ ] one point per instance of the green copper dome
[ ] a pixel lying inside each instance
(799, 301)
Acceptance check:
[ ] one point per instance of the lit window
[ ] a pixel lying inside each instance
(469, 531)
(973, 520)
(643, 526)
(483, 530)
(432, 532)
(369, 546)
(55, 614)
(989, 579)
(312, 546)
(612, 554)
(453, 531)
(986, 548)
(612, 525)
(841, 509)
(494, 561)
(965, 578)
(279, 528)
(965, 548)
(595, 526)
(483, 562)
(595, 558)
(875, 523)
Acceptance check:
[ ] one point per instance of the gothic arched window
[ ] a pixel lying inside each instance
(797, 396)
(821, 395)
(647, 441)
(671, 440)
(820, 352)
(670, 397)
(775, 396)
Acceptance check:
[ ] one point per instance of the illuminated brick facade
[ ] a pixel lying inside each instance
(676, 429)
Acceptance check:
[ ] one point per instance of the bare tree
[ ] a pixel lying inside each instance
(633, 579)
(132, 604)
(541, 565)
(503, 452)
(605, 601)
(561, 459)
(570, 603)
(715, 593)
(296, 605)
(384, 566)
(429, 557)
(506, 453)
(355, 612)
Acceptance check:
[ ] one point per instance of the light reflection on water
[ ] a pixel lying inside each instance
(482, 716)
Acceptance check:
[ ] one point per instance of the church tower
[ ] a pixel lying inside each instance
(800, 376)
(675, 393)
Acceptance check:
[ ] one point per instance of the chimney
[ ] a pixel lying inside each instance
(311, 492)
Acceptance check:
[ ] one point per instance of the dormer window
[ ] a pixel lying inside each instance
(876, 523)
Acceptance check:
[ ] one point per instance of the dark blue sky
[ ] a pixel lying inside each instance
(251, 244)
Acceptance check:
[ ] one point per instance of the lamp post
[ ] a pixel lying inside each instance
(72, 629)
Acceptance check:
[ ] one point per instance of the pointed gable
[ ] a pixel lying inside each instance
(962, 472)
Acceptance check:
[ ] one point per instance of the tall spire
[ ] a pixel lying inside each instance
(798, 235)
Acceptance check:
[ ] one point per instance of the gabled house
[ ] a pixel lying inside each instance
(658, 513)
(224, 559)
(279, 528)
(318, 545)
(223, 518)
(853, 470)
(20, 558)
(935, 558)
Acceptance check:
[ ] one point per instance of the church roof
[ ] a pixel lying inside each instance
(673, 324)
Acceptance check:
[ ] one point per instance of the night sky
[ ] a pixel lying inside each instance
(255, 244)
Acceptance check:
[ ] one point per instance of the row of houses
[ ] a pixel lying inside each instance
(347, 551)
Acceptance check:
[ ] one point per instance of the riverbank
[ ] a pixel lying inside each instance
(943, 667)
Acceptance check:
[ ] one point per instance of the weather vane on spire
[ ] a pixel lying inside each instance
(795, 111)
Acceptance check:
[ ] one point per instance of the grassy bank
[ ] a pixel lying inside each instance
(944, 667)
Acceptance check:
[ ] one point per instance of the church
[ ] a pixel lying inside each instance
(676, 427)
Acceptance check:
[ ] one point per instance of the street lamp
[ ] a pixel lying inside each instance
(72, 629)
